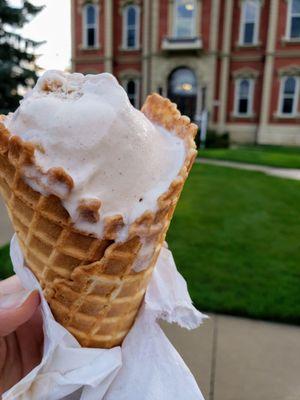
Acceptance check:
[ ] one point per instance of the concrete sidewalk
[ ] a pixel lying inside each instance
(6, 230)
(240, 359)
(279, 172)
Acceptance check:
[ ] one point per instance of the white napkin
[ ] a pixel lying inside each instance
(146, 367)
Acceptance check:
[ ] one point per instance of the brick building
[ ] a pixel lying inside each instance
(238, 59)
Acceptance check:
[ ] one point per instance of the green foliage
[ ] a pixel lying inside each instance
(5, 263)
(276, 156)
(235, 237)
(216, 140)
(17, 60)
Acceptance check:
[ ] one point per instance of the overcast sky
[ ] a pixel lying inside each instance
(53, 25)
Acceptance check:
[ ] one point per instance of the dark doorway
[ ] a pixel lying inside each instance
(182, 90)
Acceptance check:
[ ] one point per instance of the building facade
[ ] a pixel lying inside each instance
(237, 59)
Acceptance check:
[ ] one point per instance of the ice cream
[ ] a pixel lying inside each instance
(98, 166)
(117, 159)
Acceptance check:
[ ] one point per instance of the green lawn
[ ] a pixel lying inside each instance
(236, 239)
(285, 157)
(5, 263)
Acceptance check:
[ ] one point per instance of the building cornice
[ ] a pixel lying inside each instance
(128, 59)
(88, 60)
(247, 57)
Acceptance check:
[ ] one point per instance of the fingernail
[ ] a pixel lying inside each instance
(13, 300)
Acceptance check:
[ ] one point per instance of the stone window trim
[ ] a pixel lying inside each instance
(291, 70)
(126, 3)
(82, 3)
(257, 45)
(129, 74)
(83, 45)
(287, 37)
(245, 73)
(256, 40)
(250, 113)
(198, 19)
(295, 111)
(137, 46)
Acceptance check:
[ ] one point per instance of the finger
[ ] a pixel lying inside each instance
(11, 318)
(31, 338)
(10, 285)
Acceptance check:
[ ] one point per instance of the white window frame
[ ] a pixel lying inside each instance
(288, 22)
(125, 27)
(243, 23)
(237, 97)
(294, 112)
(86, 26)
(137, 87)
(175, 20)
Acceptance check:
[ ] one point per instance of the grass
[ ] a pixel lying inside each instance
(275, 156)
(5, 263)
(235, 238)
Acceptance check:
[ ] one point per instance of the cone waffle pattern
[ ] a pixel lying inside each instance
(89, 282)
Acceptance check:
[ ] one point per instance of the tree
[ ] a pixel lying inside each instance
(18, 69)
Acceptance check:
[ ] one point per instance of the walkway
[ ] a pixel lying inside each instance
(240, 359)
(280, 172)
(6, 231)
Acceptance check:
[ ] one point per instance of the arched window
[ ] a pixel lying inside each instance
(184, 24)
(249, 27)
(182, 90)
(90, 25)
(293, 19)
(132, 88)
(244, 97)
(131, 27)
(289, 95)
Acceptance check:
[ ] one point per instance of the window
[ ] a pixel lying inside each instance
(293, 22)
(90, 25)
(184, 19)
(131, 27)
(132, 88)
(250, 22)
(289, 94)
(244, 97)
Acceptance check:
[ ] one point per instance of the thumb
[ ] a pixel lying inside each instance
(16, 309)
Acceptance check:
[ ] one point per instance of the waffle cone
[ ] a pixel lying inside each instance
(90, 283)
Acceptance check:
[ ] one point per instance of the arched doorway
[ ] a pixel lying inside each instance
(182, 90)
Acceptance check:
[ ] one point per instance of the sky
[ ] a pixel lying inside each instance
(53, 25)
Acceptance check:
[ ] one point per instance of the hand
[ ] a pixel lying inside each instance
(21, 332)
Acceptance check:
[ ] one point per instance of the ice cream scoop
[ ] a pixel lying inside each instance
(119, 161)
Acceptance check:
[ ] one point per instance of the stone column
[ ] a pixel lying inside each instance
(154, 42)
(213, 47)
(268, 69)
(225, 62)
(145, 48)
(108, 40)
